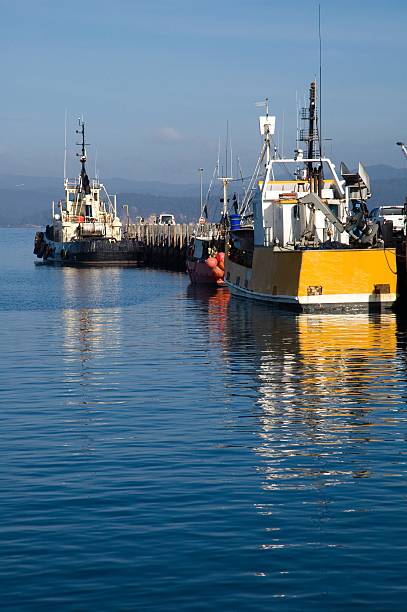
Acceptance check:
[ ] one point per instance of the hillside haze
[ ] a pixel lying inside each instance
(26, 200)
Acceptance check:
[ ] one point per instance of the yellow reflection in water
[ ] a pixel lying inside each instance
(330, 386)
(330, 361)
(329, 392)
(341, 355)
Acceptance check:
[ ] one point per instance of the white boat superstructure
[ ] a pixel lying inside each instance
(85, 213)
(313, 243)
(85, 227)
(88, 210)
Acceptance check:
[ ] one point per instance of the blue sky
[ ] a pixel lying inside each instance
(157, 81)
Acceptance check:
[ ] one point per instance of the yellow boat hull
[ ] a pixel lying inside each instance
(309, 280)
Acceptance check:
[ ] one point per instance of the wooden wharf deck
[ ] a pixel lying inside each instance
(165, 246)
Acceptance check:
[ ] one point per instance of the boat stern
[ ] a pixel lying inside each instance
(318, 280)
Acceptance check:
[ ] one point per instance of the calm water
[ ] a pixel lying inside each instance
(167, 449)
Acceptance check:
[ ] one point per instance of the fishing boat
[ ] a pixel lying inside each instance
(205, 263)
(85, 228)
(206, 251)
(313, 246)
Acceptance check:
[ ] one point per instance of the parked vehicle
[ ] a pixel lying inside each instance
(165, 219)
(384, 214)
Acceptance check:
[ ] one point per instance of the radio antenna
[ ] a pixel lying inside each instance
(66, 113)
(320, 81)
(282, 136)
(226, 147)
(297, 112)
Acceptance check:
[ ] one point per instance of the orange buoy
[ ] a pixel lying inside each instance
(220, 256)
(218, 273)
(221, 264)
(211, 262)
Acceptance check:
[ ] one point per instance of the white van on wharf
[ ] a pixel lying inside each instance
(396, 214)
(165, 219)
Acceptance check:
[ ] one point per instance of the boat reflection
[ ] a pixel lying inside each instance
(325, 360)
(92, 340)
(320, 382)
(90, 330)
(213, 303)
(321, 403)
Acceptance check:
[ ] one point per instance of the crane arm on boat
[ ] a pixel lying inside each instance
(316, 201)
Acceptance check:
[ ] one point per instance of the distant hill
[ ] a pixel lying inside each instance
(388, 191)
(382, 171)
(113, 185)
(26, 200)
(30, 207)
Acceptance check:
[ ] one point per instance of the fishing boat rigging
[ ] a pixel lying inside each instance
(312, 244)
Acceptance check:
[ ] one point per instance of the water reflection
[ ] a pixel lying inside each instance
(90, 331)
(329, 397)
(92, 286)
(213, 303)
(91, 346)
(319, 379)
(327, 365)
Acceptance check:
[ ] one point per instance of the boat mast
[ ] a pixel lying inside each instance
(200, 170)
(267, 130)
(84, 186)
(267, 134)
(225, 179)
(65, 177)
(311, 137)
(312, 127)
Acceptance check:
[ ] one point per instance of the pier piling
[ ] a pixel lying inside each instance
(165, 246)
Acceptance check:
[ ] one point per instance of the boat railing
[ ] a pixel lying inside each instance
(71, 183)
(210, 230)
(104, 218)
(74, 183)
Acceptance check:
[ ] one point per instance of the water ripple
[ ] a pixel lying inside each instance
(167, 447)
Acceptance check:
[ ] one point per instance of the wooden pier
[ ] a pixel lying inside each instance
(165, 246)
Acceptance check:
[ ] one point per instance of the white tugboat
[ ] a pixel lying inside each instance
(313, 246)
(85, 228)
